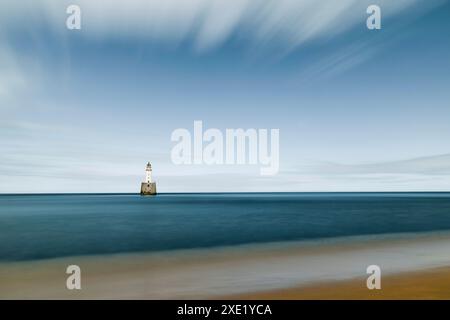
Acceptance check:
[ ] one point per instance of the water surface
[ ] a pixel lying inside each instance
(48, 226)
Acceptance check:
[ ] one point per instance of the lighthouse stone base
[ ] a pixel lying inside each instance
(148, 188)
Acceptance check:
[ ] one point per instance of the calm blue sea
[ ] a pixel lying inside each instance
(47, 226)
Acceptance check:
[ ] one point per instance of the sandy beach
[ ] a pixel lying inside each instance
(432, 284)
(413, 266)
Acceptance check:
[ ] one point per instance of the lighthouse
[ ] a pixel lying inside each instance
(148, 173)
(148, 187)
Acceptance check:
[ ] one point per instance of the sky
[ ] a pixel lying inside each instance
(357, 109)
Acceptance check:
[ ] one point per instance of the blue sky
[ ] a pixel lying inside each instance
(358, 110)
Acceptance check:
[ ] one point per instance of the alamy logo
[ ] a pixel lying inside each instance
(74, 280)
(235, 146)
(374, 280)
(73, 21)
(374, 20)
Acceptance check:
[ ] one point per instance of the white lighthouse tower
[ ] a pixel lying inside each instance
(148, 187)
(148, 173)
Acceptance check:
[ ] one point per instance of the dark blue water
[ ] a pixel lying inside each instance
(46, 226)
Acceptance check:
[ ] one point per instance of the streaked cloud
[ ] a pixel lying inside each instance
(209, 22)
(48, 147)
(12, 78)
(432, 165)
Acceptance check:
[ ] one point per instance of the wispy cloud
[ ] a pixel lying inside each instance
(12, 78)
(65, 154)
(432, 165)
(210, 22)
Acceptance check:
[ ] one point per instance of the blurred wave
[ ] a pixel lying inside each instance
(47, 226)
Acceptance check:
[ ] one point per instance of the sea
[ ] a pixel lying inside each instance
(44, 226)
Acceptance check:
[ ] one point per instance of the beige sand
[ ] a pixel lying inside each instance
(428, 284)
(334, 269)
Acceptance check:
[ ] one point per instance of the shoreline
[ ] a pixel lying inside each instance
(427, 284)
(277, 270)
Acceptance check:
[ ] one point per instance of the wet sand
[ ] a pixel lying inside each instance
(432, 284)
(413, 266)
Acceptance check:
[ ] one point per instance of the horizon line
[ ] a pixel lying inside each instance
(180, 193)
